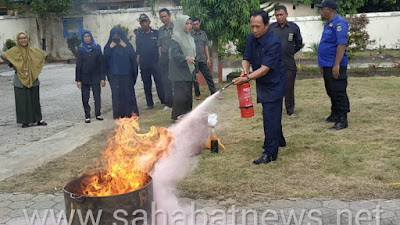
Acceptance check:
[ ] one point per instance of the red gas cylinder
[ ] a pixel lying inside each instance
(245, 101)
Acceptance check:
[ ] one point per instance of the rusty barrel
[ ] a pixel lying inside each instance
(129, 208)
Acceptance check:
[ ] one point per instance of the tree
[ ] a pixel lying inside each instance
(345, 6)
(363, 6)
(43, 9)
(380, 6)
(225, 20)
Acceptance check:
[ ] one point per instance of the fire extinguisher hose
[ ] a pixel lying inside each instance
(220, 90)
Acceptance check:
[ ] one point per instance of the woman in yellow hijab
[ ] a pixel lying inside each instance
(27, 62)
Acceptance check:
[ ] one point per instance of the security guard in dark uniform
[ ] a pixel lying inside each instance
(264, 52)
(147, 58)
(332, 59)
(291, 40)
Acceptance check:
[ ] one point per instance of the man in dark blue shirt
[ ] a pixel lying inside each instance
(332, 59)
(147, 59)
(264, 52)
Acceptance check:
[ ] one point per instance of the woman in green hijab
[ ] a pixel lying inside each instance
(27, 62)
(181, 65)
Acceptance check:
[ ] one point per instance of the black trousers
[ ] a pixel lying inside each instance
(289, 93)
(336, 90)
(147, 83)
(85, 89)
(167, 84)
(182, 98)
(202, 66)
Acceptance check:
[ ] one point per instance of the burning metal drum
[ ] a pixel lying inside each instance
(128, 208)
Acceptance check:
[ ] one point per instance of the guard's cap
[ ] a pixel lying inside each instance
(143, 17)
(328, 3)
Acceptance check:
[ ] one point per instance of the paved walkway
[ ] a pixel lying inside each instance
(63, 111)
(22, 150)
(20, 209)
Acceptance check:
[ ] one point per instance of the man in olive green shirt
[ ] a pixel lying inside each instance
(202, 57)
(164, 41)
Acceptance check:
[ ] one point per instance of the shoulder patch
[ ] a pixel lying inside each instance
(339, 28)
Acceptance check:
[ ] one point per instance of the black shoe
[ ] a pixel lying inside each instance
(25, 125)
(339, 126)
(99, 118)
(275, 156)
(41, 123)
(265, 158)
(87, 120)
(341, 123)
(149, 107)
(331, 119)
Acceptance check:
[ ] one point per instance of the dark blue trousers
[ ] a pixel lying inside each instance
(123, 96)
(85, 89)
(272, 116)
(147, 83)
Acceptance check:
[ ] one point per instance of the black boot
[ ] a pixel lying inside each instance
(340, 124)
(333, 118)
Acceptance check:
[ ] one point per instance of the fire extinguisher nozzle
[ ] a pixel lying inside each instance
(225, 87)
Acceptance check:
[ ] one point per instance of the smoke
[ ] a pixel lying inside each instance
(191, 133)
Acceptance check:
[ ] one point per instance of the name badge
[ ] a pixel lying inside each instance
(290, 38)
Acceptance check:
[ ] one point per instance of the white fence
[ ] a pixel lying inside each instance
(384, 28)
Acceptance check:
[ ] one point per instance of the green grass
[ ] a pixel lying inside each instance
(362, 54)
(354, 163)
(372, 53)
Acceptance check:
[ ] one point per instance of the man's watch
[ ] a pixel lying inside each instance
(248, 78)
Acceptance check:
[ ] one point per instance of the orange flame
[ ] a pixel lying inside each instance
(128, 159)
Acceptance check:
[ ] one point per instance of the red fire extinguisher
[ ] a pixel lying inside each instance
(245, 101)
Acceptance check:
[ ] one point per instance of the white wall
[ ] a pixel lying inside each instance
(301, 9)
(11, 26)
(98, 22)
(383, 27)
